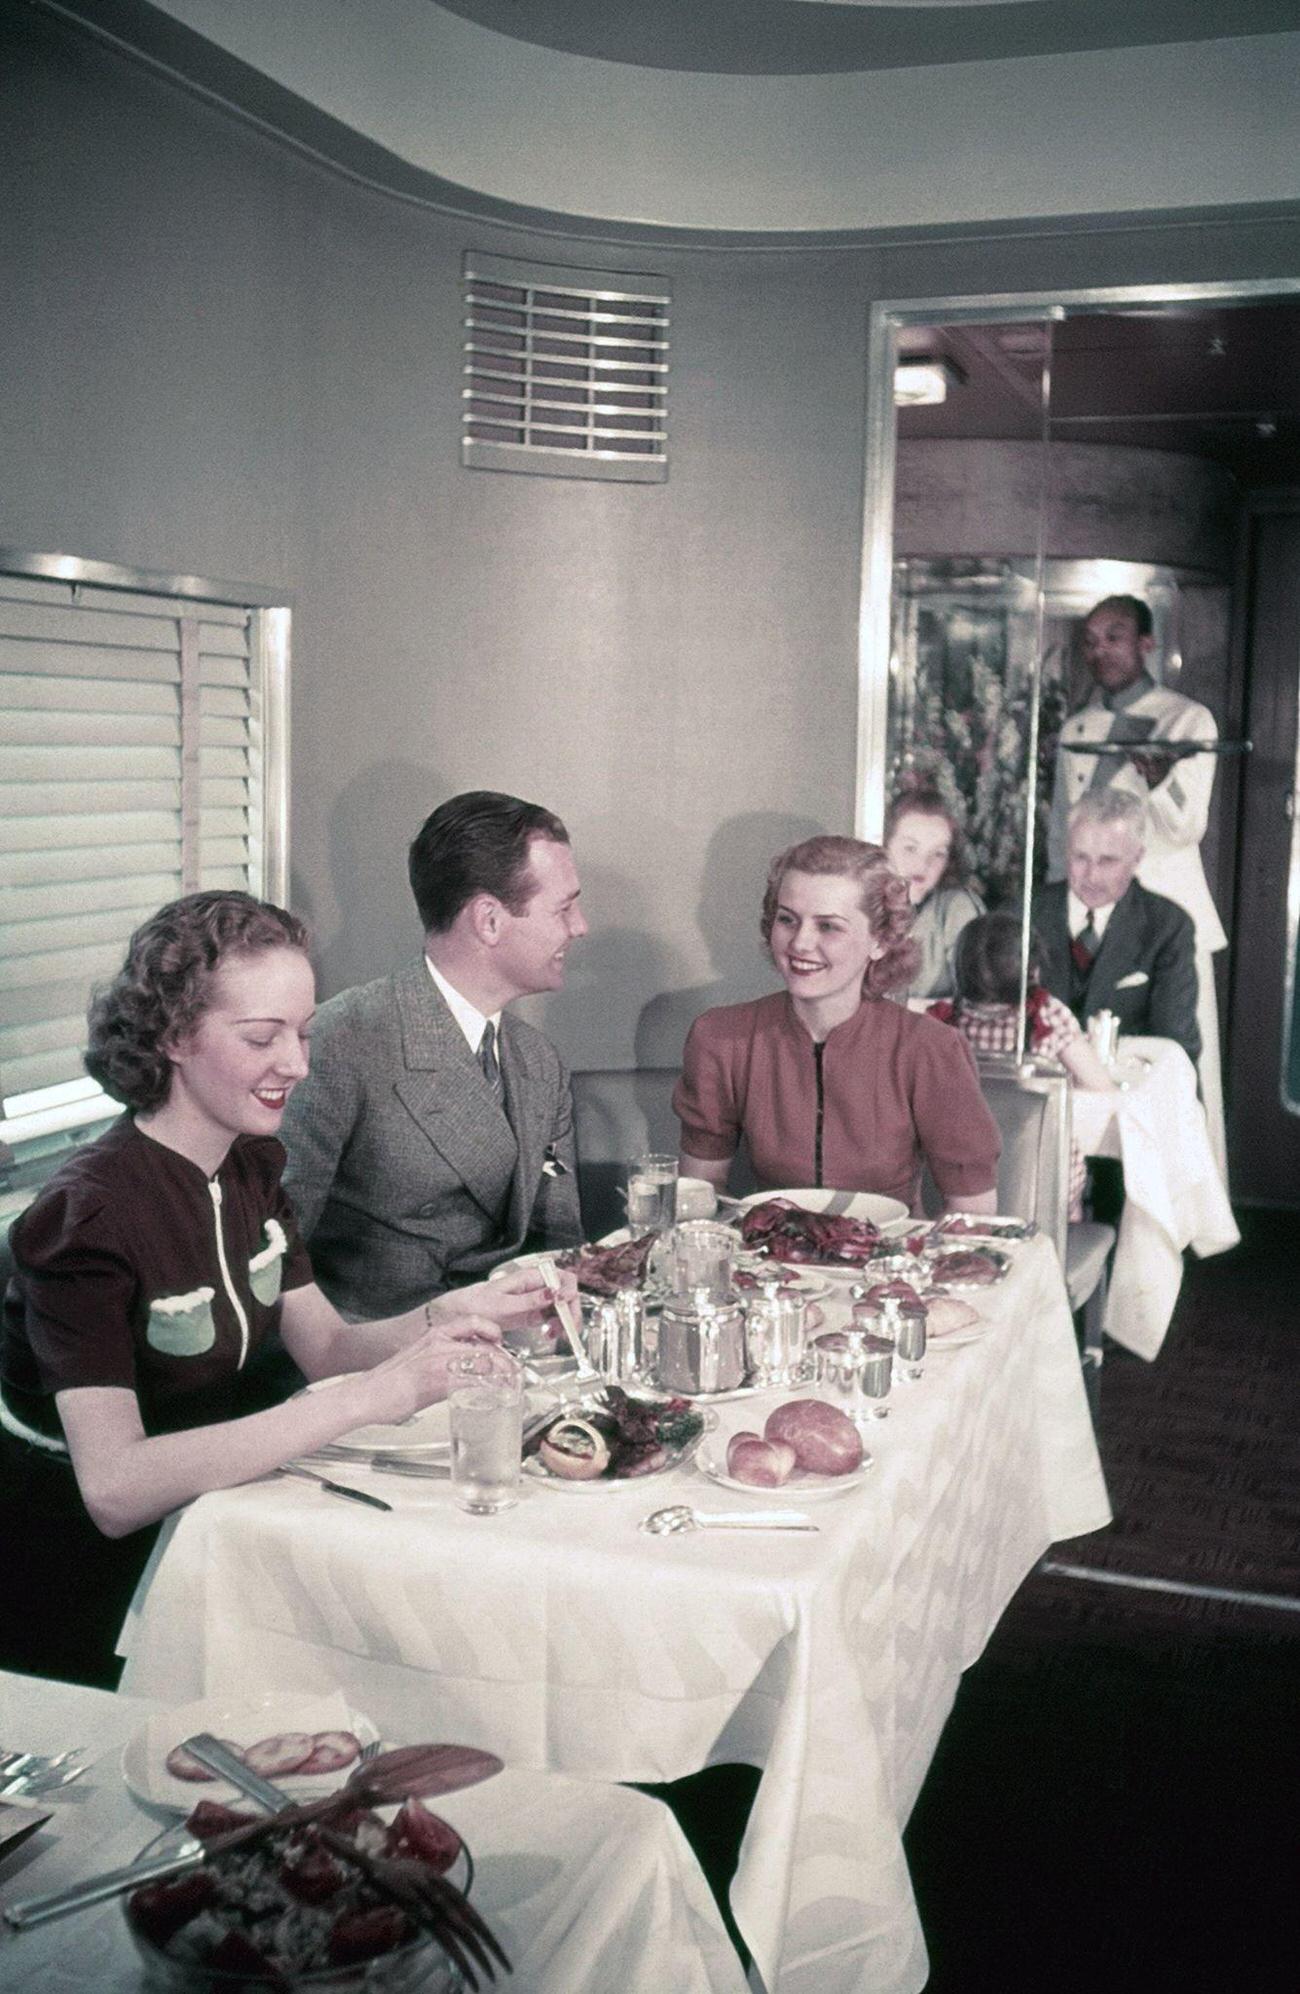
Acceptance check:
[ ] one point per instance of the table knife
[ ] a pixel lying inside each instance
(334, 1488)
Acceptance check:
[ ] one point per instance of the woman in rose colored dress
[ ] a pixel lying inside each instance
(827, 1081)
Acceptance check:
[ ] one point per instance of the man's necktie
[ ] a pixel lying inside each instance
(487, 1058)
(1084, 947)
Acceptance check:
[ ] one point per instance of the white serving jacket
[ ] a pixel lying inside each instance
(1177, 809)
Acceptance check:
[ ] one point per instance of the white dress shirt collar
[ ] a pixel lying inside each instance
(471, 1021)
(1077, 916)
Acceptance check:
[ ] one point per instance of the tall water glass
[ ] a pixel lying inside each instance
(485, 1402)
(652, 1193)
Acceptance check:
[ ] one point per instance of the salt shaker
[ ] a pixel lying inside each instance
(629, 1305)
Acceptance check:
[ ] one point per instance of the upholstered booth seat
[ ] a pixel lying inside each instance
(618, 1116)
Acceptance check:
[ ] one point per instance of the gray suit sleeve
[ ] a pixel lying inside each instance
(556, 1218)
(1174, 987)
(318, 1122)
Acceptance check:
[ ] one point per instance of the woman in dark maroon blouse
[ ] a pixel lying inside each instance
(829, 1083)
(155, 1267)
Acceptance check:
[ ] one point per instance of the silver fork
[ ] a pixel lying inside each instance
(570, 1314)
(33, 1911)
(12, 1763)
(26, 1772)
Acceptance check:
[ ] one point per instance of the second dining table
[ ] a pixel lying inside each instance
(1174, 1197)
(560, 1636)
(586, 1890)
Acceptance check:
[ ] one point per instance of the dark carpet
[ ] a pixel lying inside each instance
(1113, 1804)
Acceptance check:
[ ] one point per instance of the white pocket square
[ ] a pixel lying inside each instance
(1131, 982)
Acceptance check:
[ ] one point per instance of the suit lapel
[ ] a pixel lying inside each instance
(528, 1119)
(1117, 954)
(1055, 939)
(443, 1089)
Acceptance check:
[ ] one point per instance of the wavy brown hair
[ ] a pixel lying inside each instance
(882, 896)
(925, 800)
(165, 985)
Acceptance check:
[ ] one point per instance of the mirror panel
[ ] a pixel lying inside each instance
(967, 603)
(1089, 444)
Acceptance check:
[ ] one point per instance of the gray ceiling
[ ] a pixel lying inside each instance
(1217, 381)
(793, 37)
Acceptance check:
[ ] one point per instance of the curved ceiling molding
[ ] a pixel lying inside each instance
(1197, 124)
(819, 37)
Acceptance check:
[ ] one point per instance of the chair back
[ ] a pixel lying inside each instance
(618, 1115)
(1030, 1100)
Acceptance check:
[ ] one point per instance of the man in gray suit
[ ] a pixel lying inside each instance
(1108, 944)
(433, 1136)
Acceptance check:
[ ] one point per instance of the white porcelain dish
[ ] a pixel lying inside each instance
(943, 1252)
(890, 1216)
(243, 1721)
(536, 1471)
(711, 1460)
(426, 1432)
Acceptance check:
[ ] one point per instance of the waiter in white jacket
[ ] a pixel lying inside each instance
(1126, 705)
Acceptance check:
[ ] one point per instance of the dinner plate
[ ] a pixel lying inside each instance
(805, 1282)
(940, 1251)
(889, 1215)
(535, 1469)
(711, 1460)
(957, 1226)
(426, 1432)
(961, 1333)
(242, 1721)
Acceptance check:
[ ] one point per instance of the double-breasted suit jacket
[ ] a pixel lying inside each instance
(1144, 971)
(406, 1173)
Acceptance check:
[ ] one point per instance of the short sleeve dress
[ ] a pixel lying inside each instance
(885, 1092)
(133, 1269)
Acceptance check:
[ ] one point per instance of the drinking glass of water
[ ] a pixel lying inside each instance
(652, 1193)
(485, 1402)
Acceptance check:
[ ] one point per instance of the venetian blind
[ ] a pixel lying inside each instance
(131, 749)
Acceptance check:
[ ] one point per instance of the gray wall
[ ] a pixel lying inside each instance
(221, 359)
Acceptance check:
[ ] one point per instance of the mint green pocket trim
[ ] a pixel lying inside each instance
(182, 1325)
(266, 1269)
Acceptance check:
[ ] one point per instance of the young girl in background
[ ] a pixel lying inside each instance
(986, 1011)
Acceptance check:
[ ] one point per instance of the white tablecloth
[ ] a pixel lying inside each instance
(589, 1888)
(1173, 1193)
(559, 1636)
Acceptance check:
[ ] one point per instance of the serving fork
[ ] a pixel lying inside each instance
(442, 1910)
(30, 1912)
(30, 1772)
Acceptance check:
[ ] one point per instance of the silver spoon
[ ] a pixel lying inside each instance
(679, 1516)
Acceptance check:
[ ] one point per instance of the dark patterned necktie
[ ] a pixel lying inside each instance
(1084, 947)
(487, 1058)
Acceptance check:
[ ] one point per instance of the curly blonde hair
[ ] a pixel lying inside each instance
(165, 985)
(882, 896)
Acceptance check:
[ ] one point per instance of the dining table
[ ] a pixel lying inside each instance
(1174, 1195)
(559, 1635)
(588, 1887)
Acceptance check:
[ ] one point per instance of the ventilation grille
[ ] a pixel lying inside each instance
(566, 371)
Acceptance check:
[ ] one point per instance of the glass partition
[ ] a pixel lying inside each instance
(965, 625)
(1027, 458)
